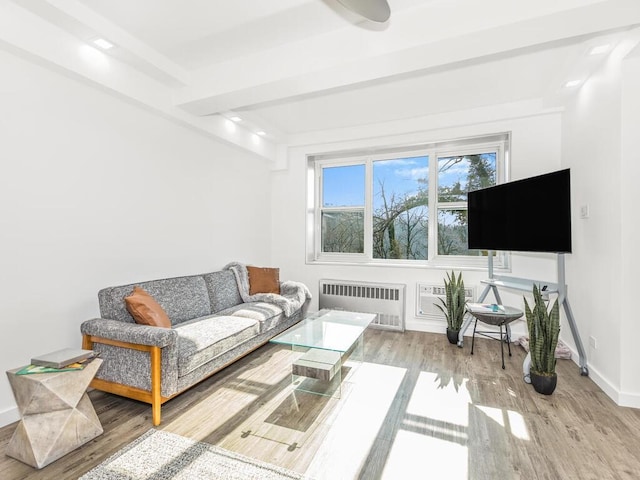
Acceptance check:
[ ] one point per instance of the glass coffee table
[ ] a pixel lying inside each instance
(321, 345)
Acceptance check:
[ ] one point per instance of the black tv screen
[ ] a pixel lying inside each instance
(530, 215)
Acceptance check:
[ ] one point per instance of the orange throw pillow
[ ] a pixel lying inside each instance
(263, 280)
(145, 310)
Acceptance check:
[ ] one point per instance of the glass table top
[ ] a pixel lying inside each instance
(499, 315)
(335, 330)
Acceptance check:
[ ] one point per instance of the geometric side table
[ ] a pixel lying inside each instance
(56, 414)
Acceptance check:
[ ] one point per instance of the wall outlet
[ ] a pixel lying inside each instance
(592, 342)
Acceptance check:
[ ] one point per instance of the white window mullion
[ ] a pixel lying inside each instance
(368, 210)
(318, 213)
(503, 165)
(433, 205)
(452, 205)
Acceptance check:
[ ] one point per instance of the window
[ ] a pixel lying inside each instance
(401, 208)
(401, 205)
(342, 213)
(457, 175)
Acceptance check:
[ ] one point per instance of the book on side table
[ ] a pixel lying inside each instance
(486, 308)
(64, 360)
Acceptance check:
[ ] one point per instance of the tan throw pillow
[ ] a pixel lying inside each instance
(145, 310)
(263, 280)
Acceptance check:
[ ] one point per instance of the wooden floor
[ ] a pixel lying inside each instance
(417, 407)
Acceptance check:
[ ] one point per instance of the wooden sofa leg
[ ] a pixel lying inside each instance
(87, 344)
(156, 377)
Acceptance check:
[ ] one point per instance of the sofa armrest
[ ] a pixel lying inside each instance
(138, 356)
(129, 332)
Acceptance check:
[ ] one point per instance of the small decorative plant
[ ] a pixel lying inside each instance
(544, 328)
(454, 306)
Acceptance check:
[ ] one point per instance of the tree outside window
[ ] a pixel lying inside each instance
(401, 208)
(458, 175)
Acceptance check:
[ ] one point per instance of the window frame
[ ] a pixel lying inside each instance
(498, 143)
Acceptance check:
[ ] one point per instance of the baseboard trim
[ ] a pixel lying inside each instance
(622, 399)
(631, 400)
(9, 416)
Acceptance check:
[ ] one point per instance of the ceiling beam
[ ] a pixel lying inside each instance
(292, 71)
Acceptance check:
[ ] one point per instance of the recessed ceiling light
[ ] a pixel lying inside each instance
(261, 133)
(236, 119)
(572, 83)
(599, 49)
(103, 44)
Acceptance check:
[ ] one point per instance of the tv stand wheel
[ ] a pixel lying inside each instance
(460, 343)
(584, 371)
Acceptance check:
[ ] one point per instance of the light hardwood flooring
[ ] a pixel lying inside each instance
(417, 407)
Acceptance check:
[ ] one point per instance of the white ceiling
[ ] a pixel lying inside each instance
(205, 32)
(291, 67)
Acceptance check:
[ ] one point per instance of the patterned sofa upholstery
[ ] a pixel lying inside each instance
(211, 328)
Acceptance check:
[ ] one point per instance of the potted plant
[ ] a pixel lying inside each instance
(544, 328)
(454, 306)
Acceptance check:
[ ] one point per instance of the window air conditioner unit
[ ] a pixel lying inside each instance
(427, 298)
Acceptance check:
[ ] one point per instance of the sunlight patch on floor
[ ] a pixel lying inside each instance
(433, 435)
(418, 456)
(440, 399)
(347, 446)
(511, 421)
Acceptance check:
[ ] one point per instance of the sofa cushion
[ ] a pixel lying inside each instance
(223, 290)
(182, 298)
(145, 310)
(268, 314)
(203, 339)
(263, 280)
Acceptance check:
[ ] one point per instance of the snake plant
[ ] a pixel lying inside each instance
(544, 327)
(454, 307)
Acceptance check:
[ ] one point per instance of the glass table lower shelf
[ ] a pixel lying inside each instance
(325, 346)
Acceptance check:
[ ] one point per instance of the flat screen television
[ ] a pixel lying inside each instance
(530, 215)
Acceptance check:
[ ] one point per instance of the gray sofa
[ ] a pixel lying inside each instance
(211, 328)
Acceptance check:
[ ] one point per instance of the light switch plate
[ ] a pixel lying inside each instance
(584, 211)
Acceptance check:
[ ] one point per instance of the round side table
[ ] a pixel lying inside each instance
(501, 318)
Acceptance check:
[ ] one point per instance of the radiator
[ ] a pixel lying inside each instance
(427, 298)
(385, 300)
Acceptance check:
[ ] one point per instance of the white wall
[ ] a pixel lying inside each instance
(535, 150)
(630, 200)
(97, 192)
(600, 144)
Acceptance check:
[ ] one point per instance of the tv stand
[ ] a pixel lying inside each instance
(494, 282)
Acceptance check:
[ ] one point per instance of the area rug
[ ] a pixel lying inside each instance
(159, 455)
